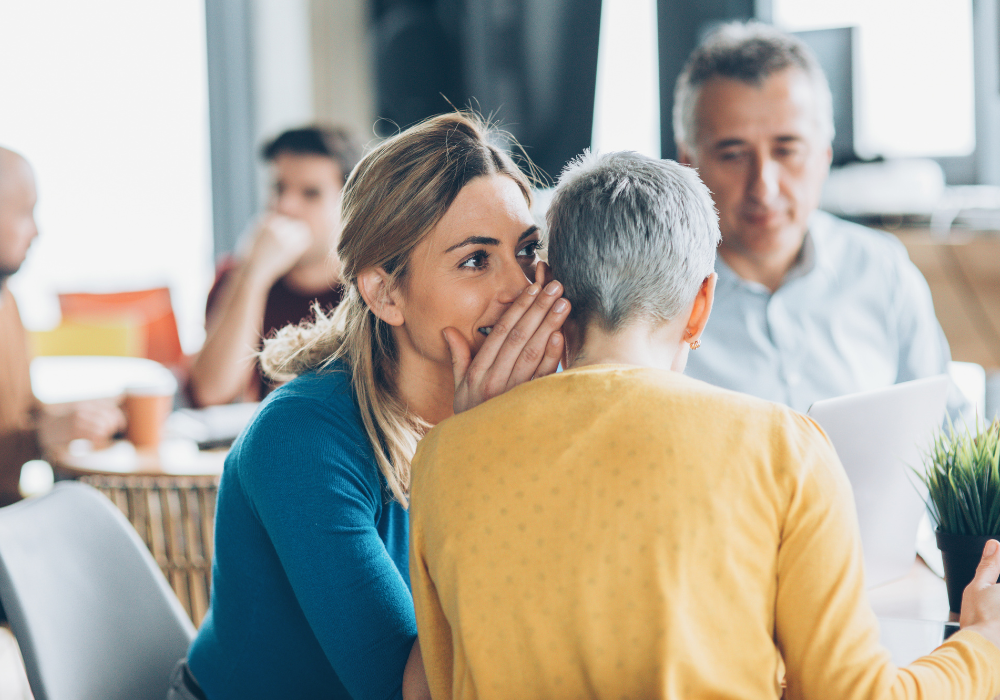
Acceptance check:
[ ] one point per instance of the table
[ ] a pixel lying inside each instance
(174, 457)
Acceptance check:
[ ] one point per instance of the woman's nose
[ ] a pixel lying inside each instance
(514, 281)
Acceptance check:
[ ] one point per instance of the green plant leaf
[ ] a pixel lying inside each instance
(961, 471)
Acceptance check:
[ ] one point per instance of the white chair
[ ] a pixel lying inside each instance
(90, 609)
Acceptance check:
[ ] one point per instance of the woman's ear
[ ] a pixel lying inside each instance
(572, 341)
(378, 293)
(701, 310)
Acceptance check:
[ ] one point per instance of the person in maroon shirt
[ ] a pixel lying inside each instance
(288, 263)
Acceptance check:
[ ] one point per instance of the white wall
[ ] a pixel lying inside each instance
(311, 62)
(343, 84)
(282, 65)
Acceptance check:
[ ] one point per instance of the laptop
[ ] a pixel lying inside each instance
(880, 437)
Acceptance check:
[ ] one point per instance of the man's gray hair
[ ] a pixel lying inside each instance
(630, 238)
(749, 53)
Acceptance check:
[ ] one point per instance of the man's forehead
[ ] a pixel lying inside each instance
(305, 165)
(784, 105)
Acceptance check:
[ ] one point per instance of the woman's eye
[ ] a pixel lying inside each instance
(530, 250)
(477, 261)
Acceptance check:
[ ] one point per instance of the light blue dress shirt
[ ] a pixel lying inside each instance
(853, 314)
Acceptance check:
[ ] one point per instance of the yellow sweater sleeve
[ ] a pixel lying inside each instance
(824, 625)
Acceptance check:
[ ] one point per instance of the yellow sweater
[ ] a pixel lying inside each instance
(615, 532)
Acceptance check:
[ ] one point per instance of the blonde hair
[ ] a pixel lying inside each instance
(393, 198)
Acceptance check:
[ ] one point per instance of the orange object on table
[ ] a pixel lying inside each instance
(144, 416)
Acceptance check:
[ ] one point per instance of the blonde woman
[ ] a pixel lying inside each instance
(311, 593)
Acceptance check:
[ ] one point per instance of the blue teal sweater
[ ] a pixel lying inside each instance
(310, 582)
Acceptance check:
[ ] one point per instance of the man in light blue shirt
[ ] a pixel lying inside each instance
(807, 306)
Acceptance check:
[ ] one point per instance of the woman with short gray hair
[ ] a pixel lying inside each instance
(621, 530)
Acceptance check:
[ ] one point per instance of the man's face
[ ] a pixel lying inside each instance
(762, 153)
(308, 187)
(17, 213)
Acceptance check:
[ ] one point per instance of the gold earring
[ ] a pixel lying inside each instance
(695, 344)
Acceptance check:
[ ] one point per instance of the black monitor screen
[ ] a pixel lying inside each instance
(835, 50)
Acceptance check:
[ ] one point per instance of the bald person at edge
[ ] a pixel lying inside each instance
(808, 306)
(28, 429)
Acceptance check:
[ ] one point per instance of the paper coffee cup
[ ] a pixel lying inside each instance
(146, 408)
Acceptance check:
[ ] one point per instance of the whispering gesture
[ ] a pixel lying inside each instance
(524, 344)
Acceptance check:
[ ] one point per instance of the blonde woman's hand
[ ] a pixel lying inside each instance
(524, 344)
(981, 598)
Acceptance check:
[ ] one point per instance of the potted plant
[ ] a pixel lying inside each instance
(962, 476)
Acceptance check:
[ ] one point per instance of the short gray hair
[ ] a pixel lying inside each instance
(749, 53)
(630, 237)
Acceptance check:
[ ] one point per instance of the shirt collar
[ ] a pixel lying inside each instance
(805, 262)
(813, 257)
(820, 232)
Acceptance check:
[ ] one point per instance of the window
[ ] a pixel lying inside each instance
(914, 93)
(913, 71)
(109, 101)
(627, 99)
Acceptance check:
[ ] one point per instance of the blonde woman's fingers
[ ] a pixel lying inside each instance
(543, 273)
(539, 349)
(482, 366)
(461, 353)
(553, 355)
(521, 335)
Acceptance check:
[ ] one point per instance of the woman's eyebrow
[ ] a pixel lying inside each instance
(474, 240)
(484, 240)
(531, 230)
